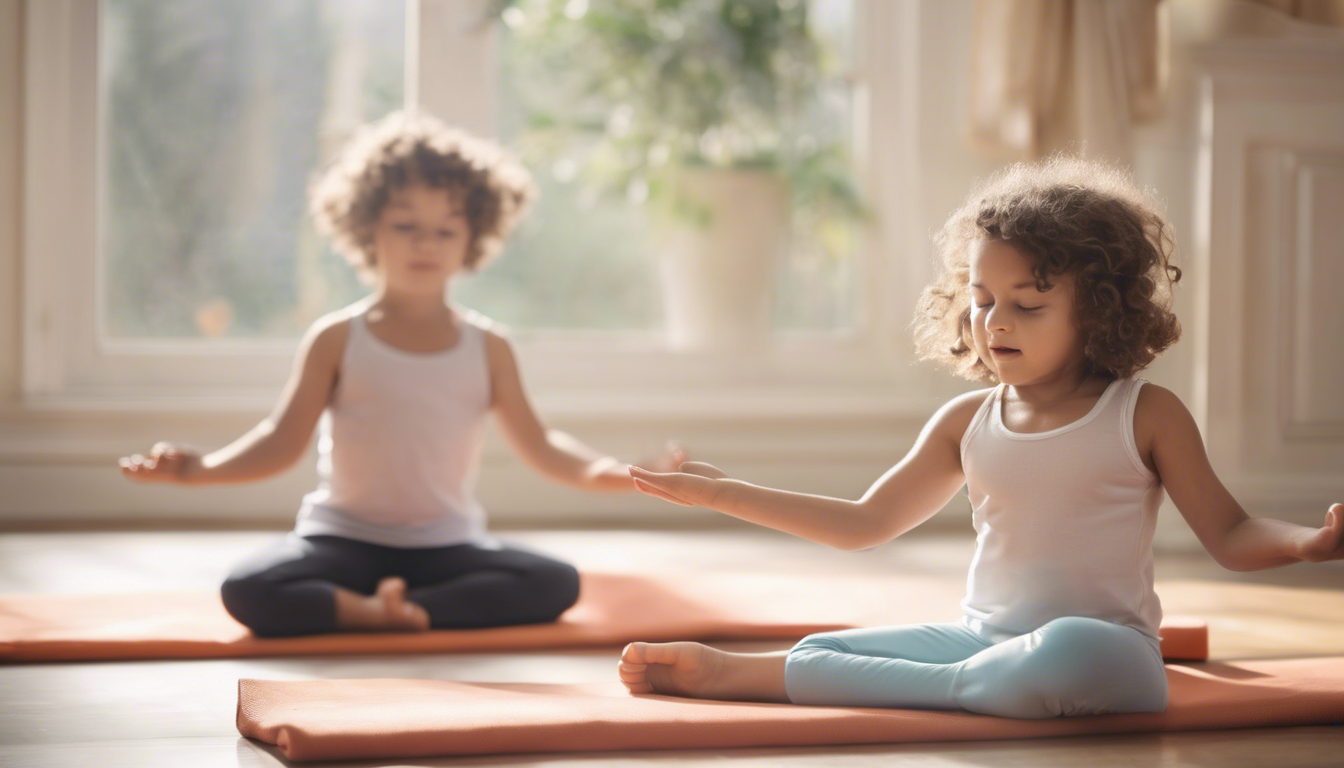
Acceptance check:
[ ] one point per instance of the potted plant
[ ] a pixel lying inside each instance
(707, 111)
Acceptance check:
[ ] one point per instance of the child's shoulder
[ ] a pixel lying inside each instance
(1157, 402)
(331, 331)
(1158, 411)
(955, 416)
(495, 335)
(965, 405)
(475, 319)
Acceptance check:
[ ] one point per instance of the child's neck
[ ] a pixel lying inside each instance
(410, 305)
(1063, 387)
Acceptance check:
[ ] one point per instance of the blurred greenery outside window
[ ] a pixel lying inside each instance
(218, 112)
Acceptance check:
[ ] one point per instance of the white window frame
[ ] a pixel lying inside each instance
(66, 358)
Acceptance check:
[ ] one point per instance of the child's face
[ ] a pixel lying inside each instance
(421, 238)
(1023, 334)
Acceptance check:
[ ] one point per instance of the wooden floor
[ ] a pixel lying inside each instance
(181, 713)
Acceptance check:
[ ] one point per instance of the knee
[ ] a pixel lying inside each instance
(810, 661)
(1088, 666)
(826, 642)
(556, 587)
(1073, 645)
(810, 671)
(247, 598)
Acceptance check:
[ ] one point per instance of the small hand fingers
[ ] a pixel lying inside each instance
(140, 467)
(681, 484)
(650, 490)
(658, 479)
(702, 469)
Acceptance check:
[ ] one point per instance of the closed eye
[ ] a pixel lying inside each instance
(1019, 307)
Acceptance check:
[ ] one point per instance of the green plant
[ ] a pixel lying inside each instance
(627, 94)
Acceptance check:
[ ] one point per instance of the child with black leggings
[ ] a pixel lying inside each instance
(393, 538)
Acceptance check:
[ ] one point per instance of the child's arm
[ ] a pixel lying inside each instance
(273, 445)
(1237, 541)
(907, 495)
(551, 453)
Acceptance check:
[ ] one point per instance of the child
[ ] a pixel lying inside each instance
(1056, 289)
(393, 538)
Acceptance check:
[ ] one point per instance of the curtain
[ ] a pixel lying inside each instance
(1077, 75)
(1049, 75)
(1327, 12)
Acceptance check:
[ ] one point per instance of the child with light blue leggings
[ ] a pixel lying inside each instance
(1056, 290)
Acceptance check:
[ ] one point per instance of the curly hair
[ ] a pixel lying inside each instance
(1069, 216)
(407, 148)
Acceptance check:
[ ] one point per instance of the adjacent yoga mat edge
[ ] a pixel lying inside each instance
(347, 719)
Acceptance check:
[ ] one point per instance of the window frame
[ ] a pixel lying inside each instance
(66, 358)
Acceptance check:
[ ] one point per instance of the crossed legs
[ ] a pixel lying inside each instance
(1070, 666)
(309, 585)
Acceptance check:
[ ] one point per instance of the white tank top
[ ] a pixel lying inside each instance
(400, 442)
(1064, 519)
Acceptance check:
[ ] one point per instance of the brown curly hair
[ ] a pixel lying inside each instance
(407, 148)
(1070, 216)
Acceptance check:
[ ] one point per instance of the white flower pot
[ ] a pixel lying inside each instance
(718, 280)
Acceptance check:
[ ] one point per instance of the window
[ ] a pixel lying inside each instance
(607, 97)
(129, 305)
(216, 114)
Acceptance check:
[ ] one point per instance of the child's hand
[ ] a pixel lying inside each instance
(1328, 542)
(166, 463)
(672, 458)
(696, 485)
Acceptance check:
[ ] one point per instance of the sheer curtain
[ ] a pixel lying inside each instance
(1077, 75)
(1049, 75)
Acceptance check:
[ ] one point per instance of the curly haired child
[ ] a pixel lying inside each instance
(393, 538)
(1056, 289)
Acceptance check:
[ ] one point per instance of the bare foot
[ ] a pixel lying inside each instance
(697, 671)
(678, 669)
(400, 612)
(386, 608)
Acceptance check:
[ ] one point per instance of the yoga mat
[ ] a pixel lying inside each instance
(351, 719)
(613, 609)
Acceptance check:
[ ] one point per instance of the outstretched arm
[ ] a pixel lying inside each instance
(273, 445)
(550, 452)
(1236, 540)
(907, 495)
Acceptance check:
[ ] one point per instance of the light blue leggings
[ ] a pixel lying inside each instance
(1069, 666)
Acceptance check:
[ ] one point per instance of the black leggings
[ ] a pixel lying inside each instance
(289, 588)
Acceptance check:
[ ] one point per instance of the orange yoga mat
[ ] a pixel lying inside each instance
(613, 609)
(350, 719)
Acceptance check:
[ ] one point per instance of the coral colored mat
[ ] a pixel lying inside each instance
(613, 609)
(349, 719)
